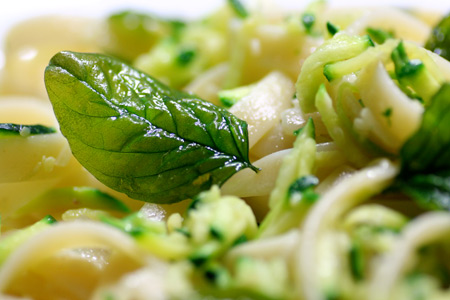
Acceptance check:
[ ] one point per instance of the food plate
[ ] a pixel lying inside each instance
(262, 152)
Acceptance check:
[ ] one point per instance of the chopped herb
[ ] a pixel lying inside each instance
(361, 103)
(308, 20)
(332, 29)
(216, 233)
(230, 97)
(194, 203)
(405, 67)
(379, 35)
(211, 275)
(185, 57)
(303, 189)
(387, 113)
(414, 78)
(216, 274)
(198, 260)
(183, 231)
(356, 262)
(49, 219)
(240, 240)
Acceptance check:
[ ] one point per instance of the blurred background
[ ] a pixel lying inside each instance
(16, 10)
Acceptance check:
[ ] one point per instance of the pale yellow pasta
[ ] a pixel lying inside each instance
(424, 230)
(380, 94)
(261, 109)
(209, 83)
(26, 110)
(321, 221)
(248, 183)
(30, 45)
(402, 24)
(52, 241)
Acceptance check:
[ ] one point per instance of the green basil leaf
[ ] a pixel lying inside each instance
(439, 40)
(138, 136)
(430, 191)
(428, 150)
(425, 174)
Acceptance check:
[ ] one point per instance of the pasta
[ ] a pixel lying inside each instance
(316, 166)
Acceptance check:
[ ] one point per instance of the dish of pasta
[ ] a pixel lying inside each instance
(251, 153)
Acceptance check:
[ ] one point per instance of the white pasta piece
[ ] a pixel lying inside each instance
(26, 111)
(341, 16)
(247, 183)
(292, 119)
(380, 94)
(426, 229)
(260, 47)
(16, 194)
(275, 140)
(83, 234)
(282, 246)
(149, 282)
(334, 178)
(262, 108)
(209, 83)
(35, 157)
(30, 45)
(402, 24)
(442, 64)
(324, 215)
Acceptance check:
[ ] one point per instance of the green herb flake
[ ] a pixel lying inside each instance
(356, 260)
(185, 57)
(379, 35)
(308, 20)
(183, 231)
(216, 233)
(240, 240)
(387, 114)
(303, 189)
(49, 219)
(404, 67)
(332, 29)
(199, 259)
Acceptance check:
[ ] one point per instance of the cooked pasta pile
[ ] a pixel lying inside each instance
(344, 189)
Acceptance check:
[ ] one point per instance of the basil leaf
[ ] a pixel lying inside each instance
(439, 40)
(137, 135)
(425, 174)
(428, 150)
(430, 191)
